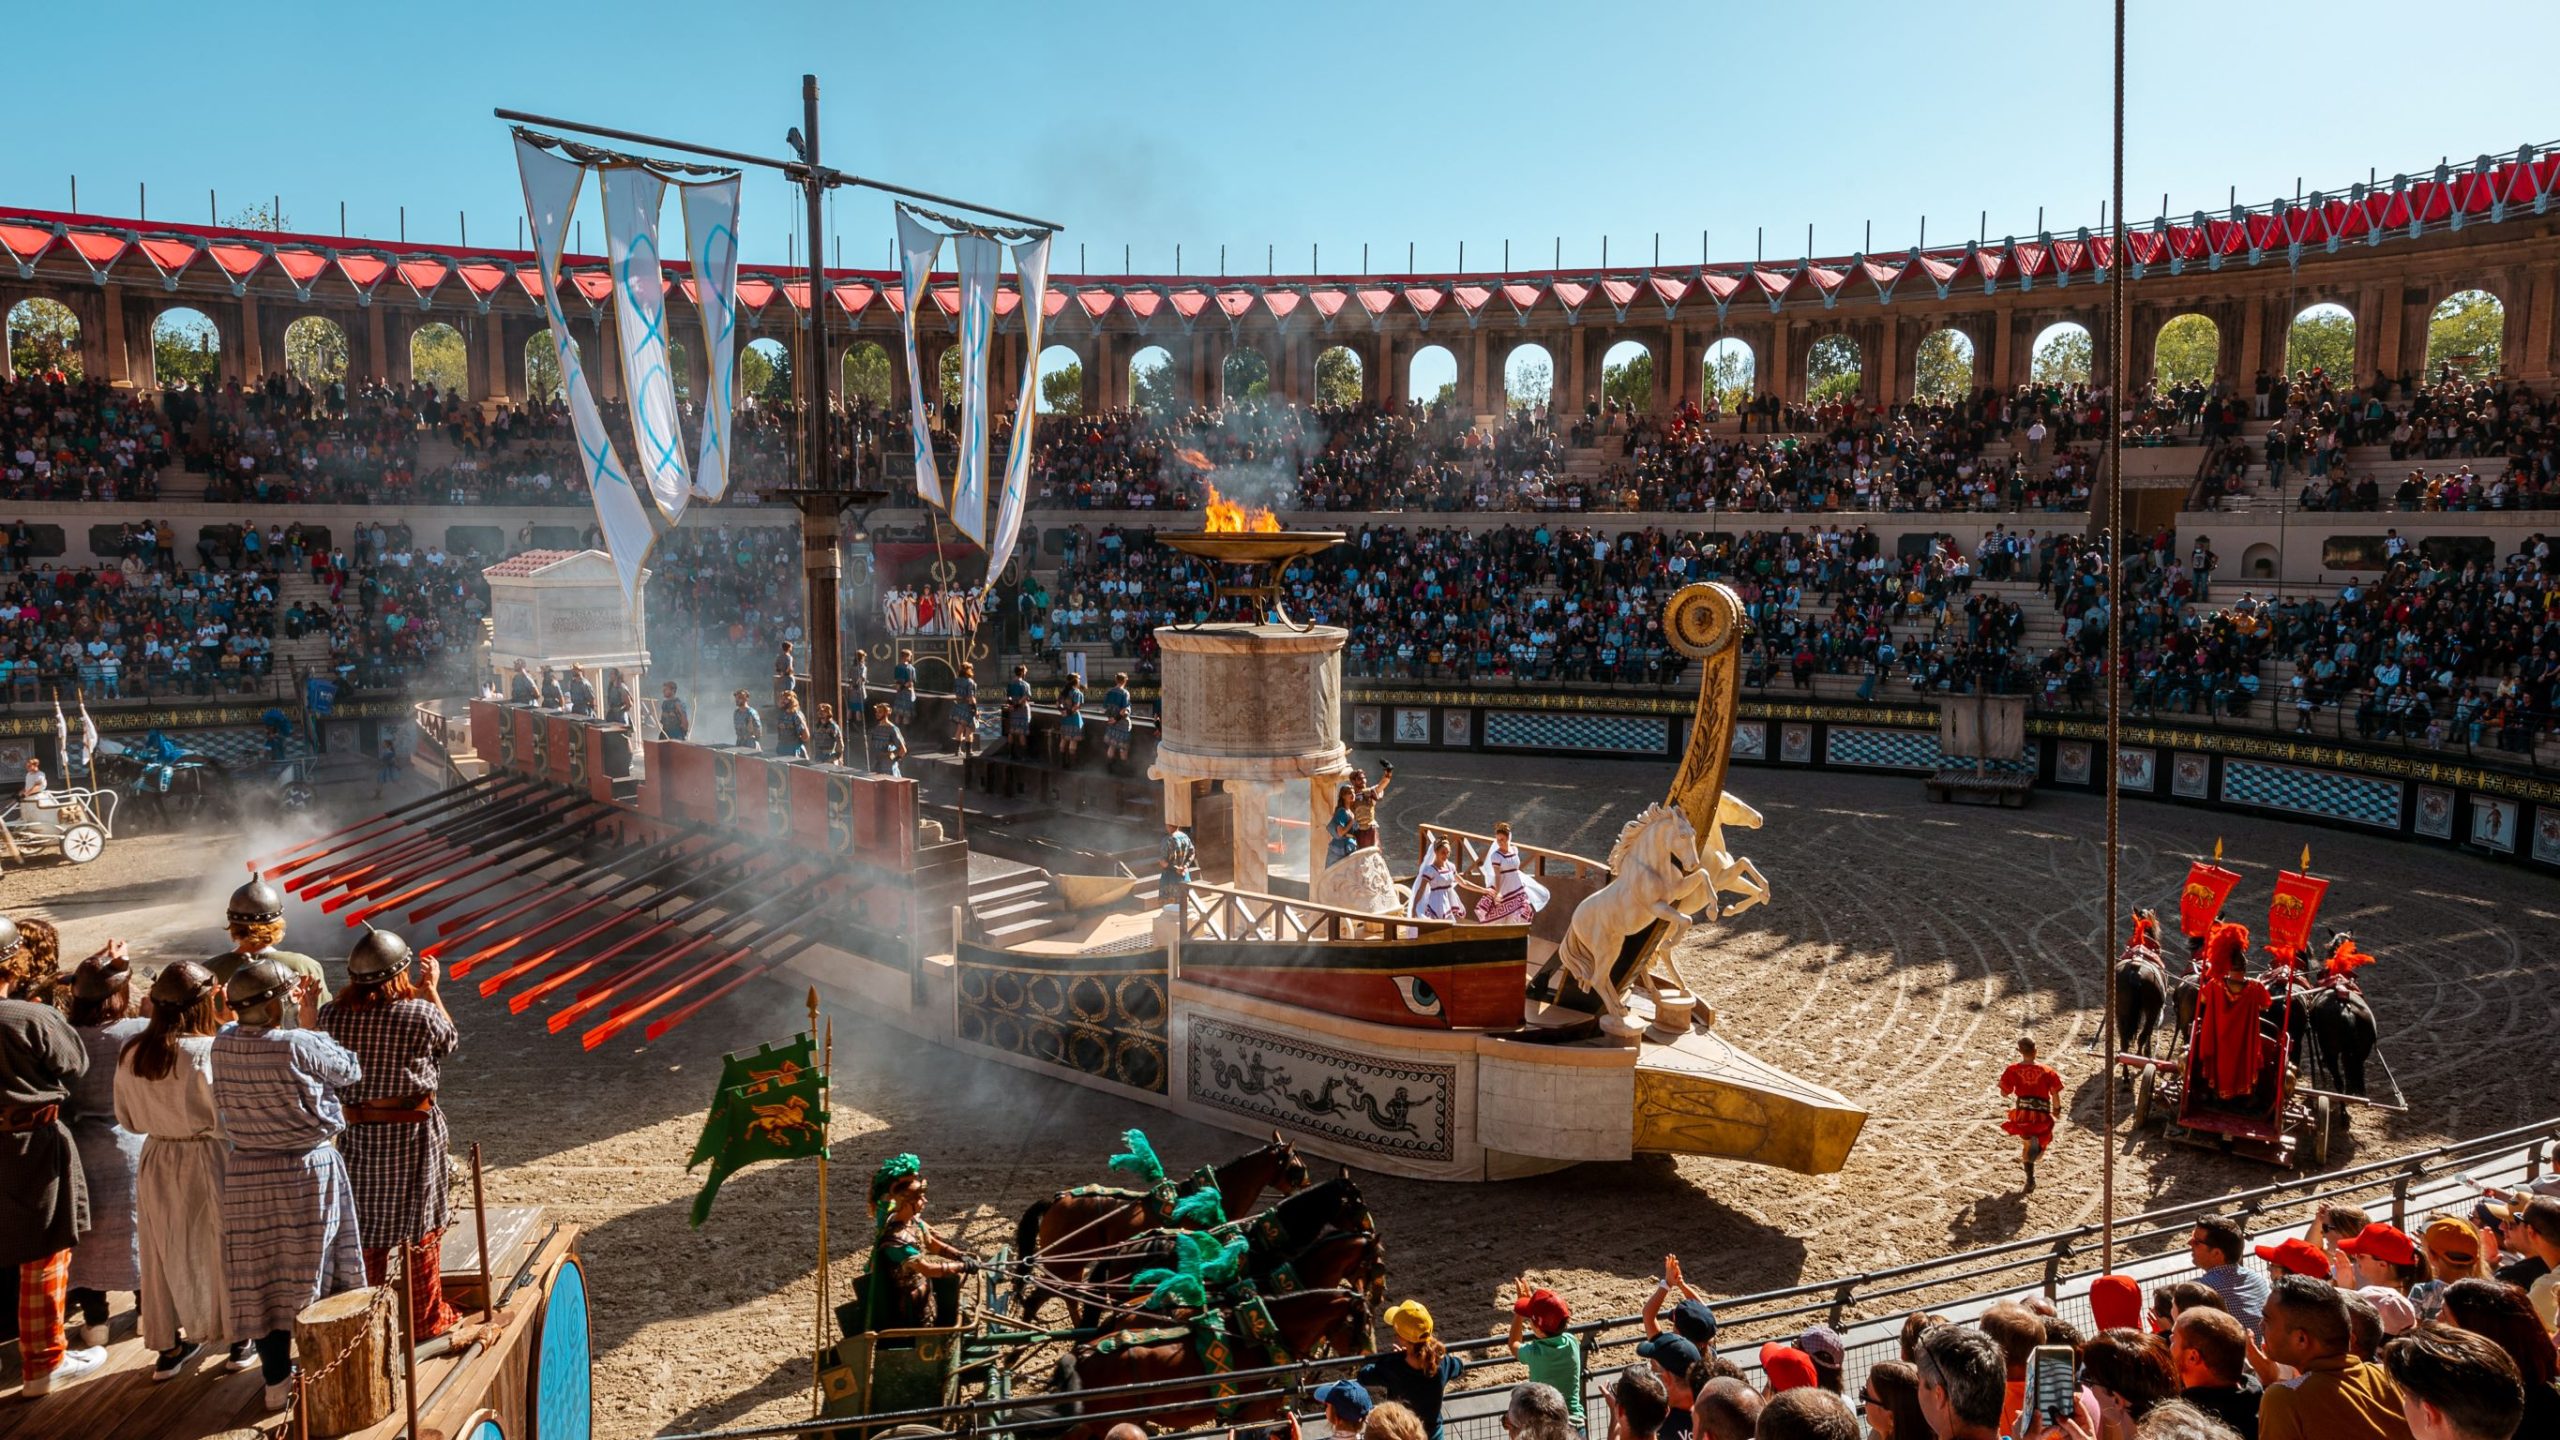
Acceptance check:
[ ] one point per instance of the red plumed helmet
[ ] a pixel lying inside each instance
(2227, 947)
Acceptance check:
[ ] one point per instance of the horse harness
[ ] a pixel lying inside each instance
(1207, 1335)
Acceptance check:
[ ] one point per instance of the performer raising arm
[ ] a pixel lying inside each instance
(396, 1145)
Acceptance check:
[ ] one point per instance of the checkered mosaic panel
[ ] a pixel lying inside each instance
(1904, 750)
(1562, 730)
(2358, 798)
(231, 748)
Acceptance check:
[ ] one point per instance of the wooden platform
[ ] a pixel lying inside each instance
(208, 1401)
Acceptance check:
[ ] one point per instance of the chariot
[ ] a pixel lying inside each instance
(71, 821)
(2284, 1119)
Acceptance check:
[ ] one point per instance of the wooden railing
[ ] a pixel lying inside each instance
(1539, 861)
(1215, 912)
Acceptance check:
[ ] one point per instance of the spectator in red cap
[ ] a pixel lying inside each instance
(2115, 1301)
(2385, 1256)
(1787, 1368)
(2295, 1256)
(1552, 1356)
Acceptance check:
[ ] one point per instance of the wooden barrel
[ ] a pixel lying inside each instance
(348, 1354)
(563, 1368)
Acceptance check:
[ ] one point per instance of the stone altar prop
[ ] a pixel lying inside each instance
(562, 608)
(1254, 707)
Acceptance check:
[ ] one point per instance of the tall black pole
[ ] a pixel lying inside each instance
(820, 493)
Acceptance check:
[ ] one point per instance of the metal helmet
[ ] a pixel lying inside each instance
(180, 985)
(257, 982)
(96, 979)
(10, 939)
(257, 900)
(379, 955)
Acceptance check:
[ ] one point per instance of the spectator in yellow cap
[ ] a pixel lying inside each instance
(1418, 1371)
(2452, 1251)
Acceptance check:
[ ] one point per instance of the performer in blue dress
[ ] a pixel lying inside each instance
(1115, 723)
(902, 689)
(1071, 722)
(1017, 711)
(964, 710)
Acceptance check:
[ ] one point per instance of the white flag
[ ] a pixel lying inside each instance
(88, 732)
(632, 200)
(711, 243)
(1031, 273)
(550, 195)
(980, 259)
(919, 246)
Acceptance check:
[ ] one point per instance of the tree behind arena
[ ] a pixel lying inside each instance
(1337, 377)
(44, 336)
(1062, 389)
(2188, 352)
(1944, 366)
(2467, 331)
(1629, 386)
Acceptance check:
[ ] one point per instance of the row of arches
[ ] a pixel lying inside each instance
(2465, 332)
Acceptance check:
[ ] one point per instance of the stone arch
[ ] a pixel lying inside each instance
(1154, 384)
(439, 356)
(1943, 366)
(542, 383)
(1528, 377)
(1629, 376)
(2258, 562)
(43, 339)
(315, 351)
(1432, 376)
(1834, 368)
(1244, 375)
(2467, 332)
(1341, 376)
(1062, 381)
(2322, 337)
(186, 347)
(764, 372)
(2187, 351)
(867, 373)
(2064, 353)
(1728, 372)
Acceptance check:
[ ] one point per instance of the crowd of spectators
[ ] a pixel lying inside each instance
(78, 440)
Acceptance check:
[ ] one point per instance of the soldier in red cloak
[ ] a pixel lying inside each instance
(2228, 1043)
(2031, 1088)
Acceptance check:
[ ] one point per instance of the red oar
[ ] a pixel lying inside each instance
(520, 1003)
(553, 838)
(382, 827)
(545, 956)
(399, 852)
(441, 797)
(469, 963)
(617, 864)
(556, 813)
(630, 1010)
(659, 1027)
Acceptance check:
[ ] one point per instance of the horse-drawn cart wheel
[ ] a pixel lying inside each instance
(83, 843)
(2320, 1120)
(298, 795)
(2144, 1089)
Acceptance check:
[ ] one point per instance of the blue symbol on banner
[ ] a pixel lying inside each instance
(319, 695)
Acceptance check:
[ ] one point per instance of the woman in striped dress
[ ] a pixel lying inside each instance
(289, 1234)
(1511, 894)
(396, 1144)
(164, 1093)
(108, 1257)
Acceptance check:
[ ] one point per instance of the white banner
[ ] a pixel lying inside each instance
(550, 196)
(981, 258)
(1031, 274)
(919, 245)
(711, 244)
(632, 199)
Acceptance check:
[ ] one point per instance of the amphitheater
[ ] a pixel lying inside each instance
(1910, 942)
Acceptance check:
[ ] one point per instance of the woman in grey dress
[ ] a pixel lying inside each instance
(109, 1257)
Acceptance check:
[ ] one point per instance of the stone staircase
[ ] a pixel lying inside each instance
(1010, 904)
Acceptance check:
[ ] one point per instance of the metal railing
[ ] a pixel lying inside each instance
(1856, 1304)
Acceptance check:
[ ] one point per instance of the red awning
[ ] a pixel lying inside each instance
(25, 244)
(854, 298)
(755, 294)
(483, 277)
(1281, 303)
(1097, 302)
(172, 257)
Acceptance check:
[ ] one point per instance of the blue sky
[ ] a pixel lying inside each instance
(1286, 126)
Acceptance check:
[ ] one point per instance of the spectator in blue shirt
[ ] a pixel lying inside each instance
(2216, 1246)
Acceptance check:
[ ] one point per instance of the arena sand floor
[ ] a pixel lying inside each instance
(1906, 948)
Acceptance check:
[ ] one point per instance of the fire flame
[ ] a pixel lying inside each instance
(1224, 516)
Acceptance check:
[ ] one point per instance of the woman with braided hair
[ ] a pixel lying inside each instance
(906, 1255)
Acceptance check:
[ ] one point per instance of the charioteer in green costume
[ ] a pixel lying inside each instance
(907, 1256)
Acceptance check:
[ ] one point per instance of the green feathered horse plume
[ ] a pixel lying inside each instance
(1056, 1237)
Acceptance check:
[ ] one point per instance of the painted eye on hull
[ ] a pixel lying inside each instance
(1417, 994)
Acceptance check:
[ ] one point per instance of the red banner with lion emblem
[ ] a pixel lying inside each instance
(2200, 899)
(2290, 913)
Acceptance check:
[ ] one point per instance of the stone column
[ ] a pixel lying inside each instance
(1252, 818)
(1475, 373)
(1107, 383)
(2253, 343)
(1571, 400)
(1319, 810)
(377, 352)
(2533, 355)
(1777, 381)
(1889, 383)
(1385, 395)
(493, 368)
(114, 347)
(2003, 326)
(253, 350)
(1677, 381)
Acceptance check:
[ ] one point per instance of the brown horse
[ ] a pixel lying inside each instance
(1312, 1324)
(1095, 1218)
(1353, 1258)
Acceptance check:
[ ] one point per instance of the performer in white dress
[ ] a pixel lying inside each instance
(1436, 886)
(1510, 892)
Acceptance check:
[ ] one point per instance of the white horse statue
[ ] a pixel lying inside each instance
(1657, 875)
(1732, 874)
